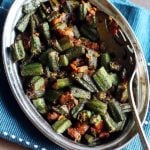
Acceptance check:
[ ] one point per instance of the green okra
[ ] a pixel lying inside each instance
(83, 83)
(33, 25)
(92, 58)
(126, 107)
(89, 138)
(77, 109)
(116, 111)
(95, 119)
(18, 51)
(31, 6)
(66, 43)
(114, 78)
(23, 23)
(53, 61)
(35, 44)
(60, 126)
(110, 123)
(46, 30)
(88, 79)
(105, 60)
(84, 115)
(103, 79)
(121, 124)
(62, 83)
(52, 96)
(97, 106)
(54, 4)
(76, 31)
(55, 44)
(33, 69)
(36, 87)
(60, 109)
(40, 105)
(89, 32)
(63, 60)
(82, 11)
(80, 93)
(75, 52)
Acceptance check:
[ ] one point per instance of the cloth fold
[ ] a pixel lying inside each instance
(15, 127)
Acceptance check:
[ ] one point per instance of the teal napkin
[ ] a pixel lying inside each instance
(15, 127)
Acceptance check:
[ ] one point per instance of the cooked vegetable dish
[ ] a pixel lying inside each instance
(78, 86)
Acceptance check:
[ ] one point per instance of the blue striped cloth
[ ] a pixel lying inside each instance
(15, 127)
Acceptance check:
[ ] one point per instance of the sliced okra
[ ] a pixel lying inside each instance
(53, 61)
(76, 31)
(42, 13)
(63, 60)
(75, 52)
(23, 23)
(36, 87)
(31, 6)
(35, 44)
(55, 44)
(66, 43)
(105, 60)
(126, 107)
(61, 125)
(33, 69)
(46, 30)
(114, 78)
(82, 11)
(80, 93)
(40, 105)
(18, 51)
(89, 32)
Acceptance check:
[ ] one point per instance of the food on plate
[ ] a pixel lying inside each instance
(78, 86)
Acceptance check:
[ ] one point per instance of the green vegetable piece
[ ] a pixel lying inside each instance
(114, 78)
(63, 60)
(35, 45)
(65, 43)
(60, 110)
(61, 125)
(62, 83)
(77, 109)
(53, 61)
(54, 4)
(83, 83)
(64, 108)
(84, 115)
(18, 51)
(82, 11)
(23, 23)
(115, 109)
(89, 138)
(33, 69)
(88, 79)
(126, 107)
(40, 105)
(52, 96)
(110, 123)
(95, 119)
(97, 106)
(33, 25)
(76, 52)
(46, 30)
(36, 87)
(76, 31)
(80, 93)
(103, 79)
(92, 58)
(55, 44)
(31, 6)
(89, 32)
(70, 6)
(121, 124)
(105, 60)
